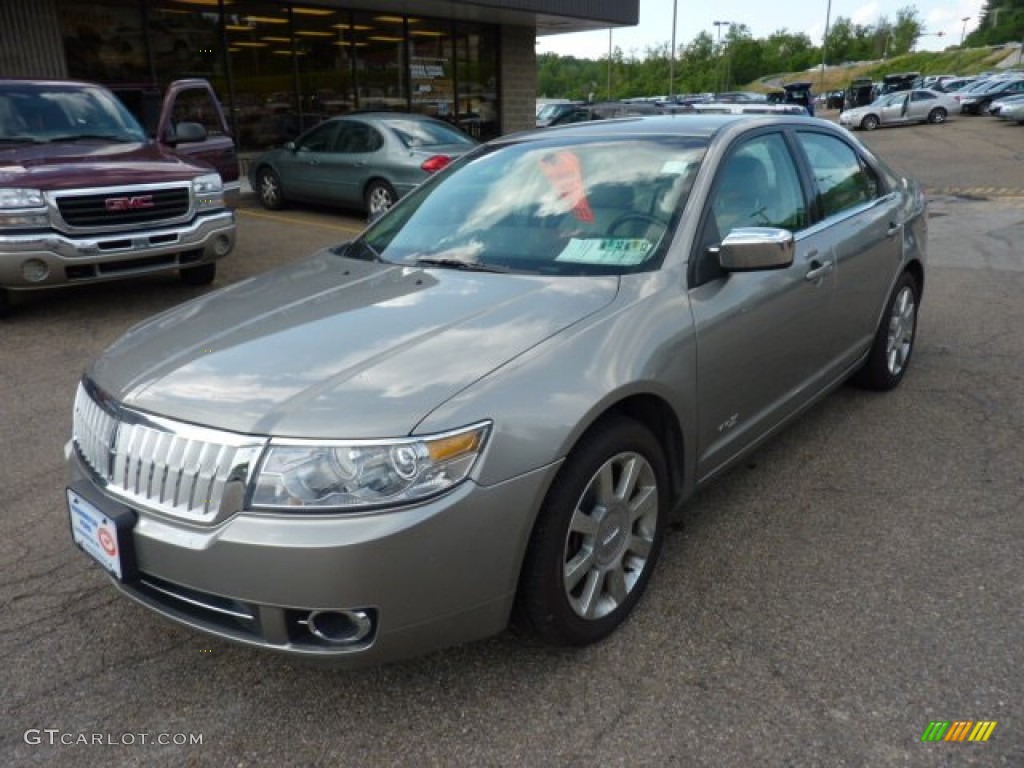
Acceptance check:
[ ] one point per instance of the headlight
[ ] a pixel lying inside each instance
(16, 197)
(22, 208)
(349, 475)
(209, 191)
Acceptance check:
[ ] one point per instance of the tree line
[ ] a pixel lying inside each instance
(734, 57)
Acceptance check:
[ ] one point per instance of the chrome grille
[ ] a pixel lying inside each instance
(154, 205)
(158, 464)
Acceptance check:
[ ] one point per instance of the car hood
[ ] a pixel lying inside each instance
(338, 347)
(78, 164)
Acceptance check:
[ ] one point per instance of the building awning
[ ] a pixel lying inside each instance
(548, 17)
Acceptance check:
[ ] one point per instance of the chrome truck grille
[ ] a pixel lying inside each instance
(124, 206)
(184, 471)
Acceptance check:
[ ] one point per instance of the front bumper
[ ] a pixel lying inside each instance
(95, 258)
(430, 576)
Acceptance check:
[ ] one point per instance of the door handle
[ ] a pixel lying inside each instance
(818, 270)
(893, 230)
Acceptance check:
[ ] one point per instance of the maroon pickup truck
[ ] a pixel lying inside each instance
(87, 194)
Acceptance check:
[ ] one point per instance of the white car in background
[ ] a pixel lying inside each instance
(920, 105)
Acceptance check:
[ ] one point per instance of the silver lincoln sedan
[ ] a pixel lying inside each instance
(485, 408)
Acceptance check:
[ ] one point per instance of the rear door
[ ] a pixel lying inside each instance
(860, 217)
(195, 101)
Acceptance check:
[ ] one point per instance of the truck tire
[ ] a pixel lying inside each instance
(201, 275)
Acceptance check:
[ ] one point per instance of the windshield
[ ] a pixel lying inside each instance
(545, 207)
(46, 112)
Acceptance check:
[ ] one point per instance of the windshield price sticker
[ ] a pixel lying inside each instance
(619, 251)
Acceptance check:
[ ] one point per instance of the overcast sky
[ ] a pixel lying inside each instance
(763, 17)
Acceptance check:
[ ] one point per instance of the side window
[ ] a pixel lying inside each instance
(842, 181)
(357, 138)
(921, 96)
(198, 106)
(758, 186)
(320, 139)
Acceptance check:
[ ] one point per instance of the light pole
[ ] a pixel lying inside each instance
(672, 56)
(718, 45)
(824, 46)
(963, 34)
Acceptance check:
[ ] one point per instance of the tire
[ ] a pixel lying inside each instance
(200, 275)
(894, 340)
(269, 190)
(379, 197)
(937, 115)
(604, 536)
(869, 123)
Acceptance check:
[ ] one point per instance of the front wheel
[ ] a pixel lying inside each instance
(268, 189)
(894, 339)
(597, 537)
(937, 115)
(869, 123)
(203, 274)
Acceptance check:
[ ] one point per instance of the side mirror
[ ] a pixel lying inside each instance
(753, 249)
(186, 133)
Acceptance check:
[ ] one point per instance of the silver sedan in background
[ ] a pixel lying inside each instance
(901, 108)
(367, 160)
(486, 407)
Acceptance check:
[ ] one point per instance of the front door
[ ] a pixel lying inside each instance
(761, 336)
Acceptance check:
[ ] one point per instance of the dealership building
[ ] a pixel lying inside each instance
(280, 67)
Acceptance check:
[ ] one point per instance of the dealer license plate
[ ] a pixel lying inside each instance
(96, 533)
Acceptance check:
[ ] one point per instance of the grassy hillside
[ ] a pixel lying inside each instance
(967, 62)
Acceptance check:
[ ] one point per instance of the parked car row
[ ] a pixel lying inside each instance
(900, 108)
(974, 99)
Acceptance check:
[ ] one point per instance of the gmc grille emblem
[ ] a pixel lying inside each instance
(129, 203)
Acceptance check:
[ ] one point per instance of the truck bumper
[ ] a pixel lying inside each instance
(45, 259)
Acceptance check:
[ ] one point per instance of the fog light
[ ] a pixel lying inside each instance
(340, 627)
(35, 270)
(221, 245)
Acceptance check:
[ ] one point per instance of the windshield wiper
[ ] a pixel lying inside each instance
(469, 266)
(121, 138)
(346, 249)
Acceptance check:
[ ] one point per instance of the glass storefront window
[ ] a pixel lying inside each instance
(104, 41)
(285, 68)
(432, 68)
(379, 43)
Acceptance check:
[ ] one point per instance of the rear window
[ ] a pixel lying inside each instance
(426, 133)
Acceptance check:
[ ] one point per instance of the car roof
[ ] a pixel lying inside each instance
(681, 124)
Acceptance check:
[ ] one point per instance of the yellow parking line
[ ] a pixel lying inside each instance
(292, 220)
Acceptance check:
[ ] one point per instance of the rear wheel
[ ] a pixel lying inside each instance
(894, 339)
(201, 275)
(380, 196)
(268, 189)
(869, 123)
(937, 115)
(597, 537)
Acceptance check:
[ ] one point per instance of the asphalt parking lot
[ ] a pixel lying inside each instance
(857, 578)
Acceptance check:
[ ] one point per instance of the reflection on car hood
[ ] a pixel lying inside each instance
(335, 347)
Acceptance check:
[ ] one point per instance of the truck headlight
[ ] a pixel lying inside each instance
(209, 191)
(349, 475)
(21, 207)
